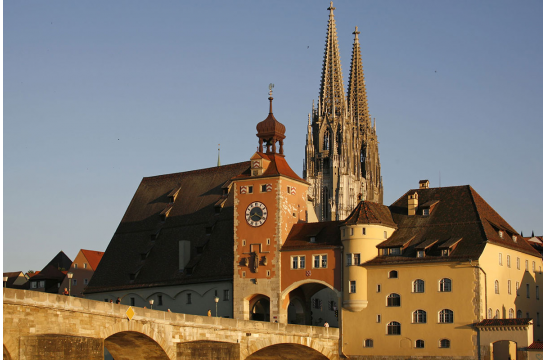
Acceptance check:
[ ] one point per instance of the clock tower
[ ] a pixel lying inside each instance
(269, 199)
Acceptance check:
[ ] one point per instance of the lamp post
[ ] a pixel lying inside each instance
(70, 276)
(151, 304)
(216, 300)
(5, 281)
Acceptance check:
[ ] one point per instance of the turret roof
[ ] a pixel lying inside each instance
(367, 212)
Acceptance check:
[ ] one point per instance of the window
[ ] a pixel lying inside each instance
(418, 286)
(269, 240)
(489, 313)
(393, 300)
(332, 305)
(497, 314)
(351, 231)
(159, 299)
(378, 288)
(225, 295)
(501, 234)
(368, 343)
(363, 231)
(320, 261)
(395, 251)
(348, 259)
(519, 314)
(533, 266)
(444, 343)
(527, 315)
(419, 344)
(263, 188)
(518, 263)
(378, 318)
(500, 259)
(250, 189)
(392, 274)
(75, 266)
(344, 232)
(528, 291)
(509, 287)
(537, 292)
(511, 314)
(352, 286)
(420, 253)
(356, 259)
(496, 287)
(74, 282)
(297, 262)
(33, 284)
(419, 317)
(85, 265)
(132, 301)
(426, 212)
(445, 285)
(317, 304)
(85, 281)
(446, 316)
(508, 261)
(289, 189)
(537, 319)
(517, 286)
(188, 299)
(385, 235)
(526, 264)
(444, 252)
(394, 328)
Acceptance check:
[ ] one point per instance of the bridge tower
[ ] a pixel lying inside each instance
(269, 200)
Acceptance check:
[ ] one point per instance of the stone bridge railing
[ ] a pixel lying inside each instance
(37, 323)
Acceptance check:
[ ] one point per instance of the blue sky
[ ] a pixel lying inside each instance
(99, 94)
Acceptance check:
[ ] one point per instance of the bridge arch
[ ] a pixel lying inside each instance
(289, 351)
(138, 335)
(10, 347)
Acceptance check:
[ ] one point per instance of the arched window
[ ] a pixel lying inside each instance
(497, 314)
(419, 317)
(418, 286)
(446, 316)
(394, 328)
(519, 314)
(325, 145)
(419, 344)
(444, 343)
(497, 287)
(511, 314)
(392, 274)
(489, 313)
(393, 300)
(445, 285)
(368, 343)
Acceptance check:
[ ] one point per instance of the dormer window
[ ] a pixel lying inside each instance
(313, 239)
(500, 233)
(164, 214)
(426, 212)
(395, 251)
(514, 238)
(444, 252)
(173, 194)
(420, 254)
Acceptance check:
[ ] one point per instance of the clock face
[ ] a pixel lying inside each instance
(256, 214)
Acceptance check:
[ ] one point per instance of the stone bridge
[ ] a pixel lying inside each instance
(48, 326)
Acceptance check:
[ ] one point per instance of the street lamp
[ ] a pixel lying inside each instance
(70, 276)
(151, 304)
(216, 299)
(5, 281)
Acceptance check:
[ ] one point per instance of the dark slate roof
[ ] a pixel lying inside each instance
(60, 261)
(367, 212)
(326, 234)
(50, 272)
(12, 276)
(460, 220)
(192, 212)
(503, 322)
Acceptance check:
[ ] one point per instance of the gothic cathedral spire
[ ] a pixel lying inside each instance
(342, 159)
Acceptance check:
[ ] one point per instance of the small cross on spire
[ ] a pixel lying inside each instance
(331, 8)
(356, 32)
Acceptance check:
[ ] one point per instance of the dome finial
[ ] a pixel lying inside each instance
(271, 86)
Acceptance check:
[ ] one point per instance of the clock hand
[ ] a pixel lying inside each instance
(256, 214)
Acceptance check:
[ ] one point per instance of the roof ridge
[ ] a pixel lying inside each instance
(196, 171)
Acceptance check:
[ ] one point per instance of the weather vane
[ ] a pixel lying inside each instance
(271, 86)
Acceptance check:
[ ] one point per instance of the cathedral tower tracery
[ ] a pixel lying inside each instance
(341, 157)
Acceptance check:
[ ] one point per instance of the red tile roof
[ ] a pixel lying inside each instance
(93, 257)
(278, 166)
(536, 345)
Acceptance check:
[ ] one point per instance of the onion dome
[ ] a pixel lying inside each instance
(270, 131)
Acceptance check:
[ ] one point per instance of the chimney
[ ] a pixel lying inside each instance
(424, 184)
(413, 204)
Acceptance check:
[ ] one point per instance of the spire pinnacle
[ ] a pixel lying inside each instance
(357, 94)
(219, 163)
